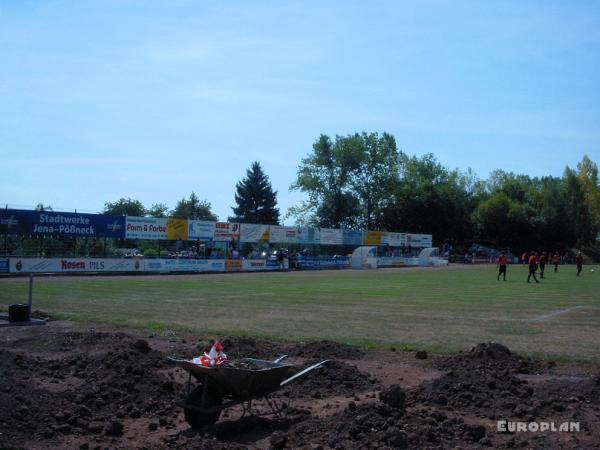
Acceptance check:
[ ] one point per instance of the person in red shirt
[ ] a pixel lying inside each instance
(532, 267)
(542, 261)
(524, 258)
(502, 262)
(579, 263)
(556, 261)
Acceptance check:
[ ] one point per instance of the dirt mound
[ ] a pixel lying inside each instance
(377, 425)
(569, 390)
(88, 389)
(84, 395)
(480, 388)
(481, 379)
(326, 350)
(493, 355)
(334, 378)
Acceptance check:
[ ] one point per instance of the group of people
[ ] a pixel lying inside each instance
(535, 261)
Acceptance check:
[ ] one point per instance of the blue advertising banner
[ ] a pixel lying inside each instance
(38, 223)
(352, 237)
(3, 265)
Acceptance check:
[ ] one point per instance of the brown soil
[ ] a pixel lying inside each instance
(69, 386)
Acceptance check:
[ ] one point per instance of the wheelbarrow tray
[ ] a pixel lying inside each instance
(238, 382)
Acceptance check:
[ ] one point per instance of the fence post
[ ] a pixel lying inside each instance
(30, 291)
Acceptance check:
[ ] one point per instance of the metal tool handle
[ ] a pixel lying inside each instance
(281, 358)
(303, 372)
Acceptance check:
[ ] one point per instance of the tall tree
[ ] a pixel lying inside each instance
(124, 207)
(255, 199)
(504, 222)
(580, 214)
(158, 210)
(587, 171)
(348, 182)
(375, 176)
(324, 175)
(429, 198)
(193, 208)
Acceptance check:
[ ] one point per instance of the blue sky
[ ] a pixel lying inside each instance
(153, 99)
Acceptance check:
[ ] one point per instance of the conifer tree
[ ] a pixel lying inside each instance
(256, 201)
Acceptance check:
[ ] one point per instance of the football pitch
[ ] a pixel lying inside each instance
(437, 309)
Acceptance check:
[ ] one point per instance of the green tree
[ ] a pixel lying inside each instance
(579, 212)
(504, 222)
(375, 176)
(193, 208)
(255, 199)
(324, 175)
(349, 182)
(124, 207)
(429, 198)
(158, 210)
(587, 171)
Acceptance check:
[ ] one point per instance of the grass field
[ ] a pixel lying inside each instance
(443, 309)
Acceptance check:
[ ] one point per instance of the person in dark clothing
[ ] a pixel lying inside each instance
(556, 261)
(542, 260)
(579, 263)
(502, 262)
(280, 257)
(532, 267)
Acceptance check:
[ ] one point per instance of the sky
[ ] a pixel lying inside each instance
(103, 99)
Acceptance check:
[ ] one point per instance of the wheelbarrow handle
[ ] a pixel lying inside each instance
(303, 372)
(281, 358)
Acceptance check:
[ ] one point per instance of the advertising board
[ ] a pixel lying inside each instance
(50, 223)
(56, 265)
(145, 228)
(225, 231)
(250, 232)
(283, 235)
(419, 240)
(254, 264)
(374, 237)
(331, 236)
(233, 265)
(201, 230)
(352, 237)
(307, 235)
(184, 265)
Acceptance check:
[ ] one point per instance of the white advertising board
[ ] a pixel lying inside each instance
(397, 239)
(201, 230)
(283, 235)
(184, 265)
(54, 265)
(331, 236)
(419, 240)
(225, 231)
(308, 235)
(250, 232)
(145, 228)
(256, 264)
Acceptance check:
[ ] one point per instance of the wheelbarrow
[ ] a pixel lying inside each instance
(227, 385)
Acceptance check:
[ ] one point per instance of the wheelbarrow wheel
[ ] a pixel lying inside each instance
(198, 419)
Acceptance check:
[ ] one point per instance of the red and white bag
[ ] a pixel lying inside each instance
(215, 357)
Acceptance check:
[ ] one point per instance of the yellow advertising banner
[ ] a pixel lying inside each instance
(177, 229)
(375, 237)
(233, 265)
